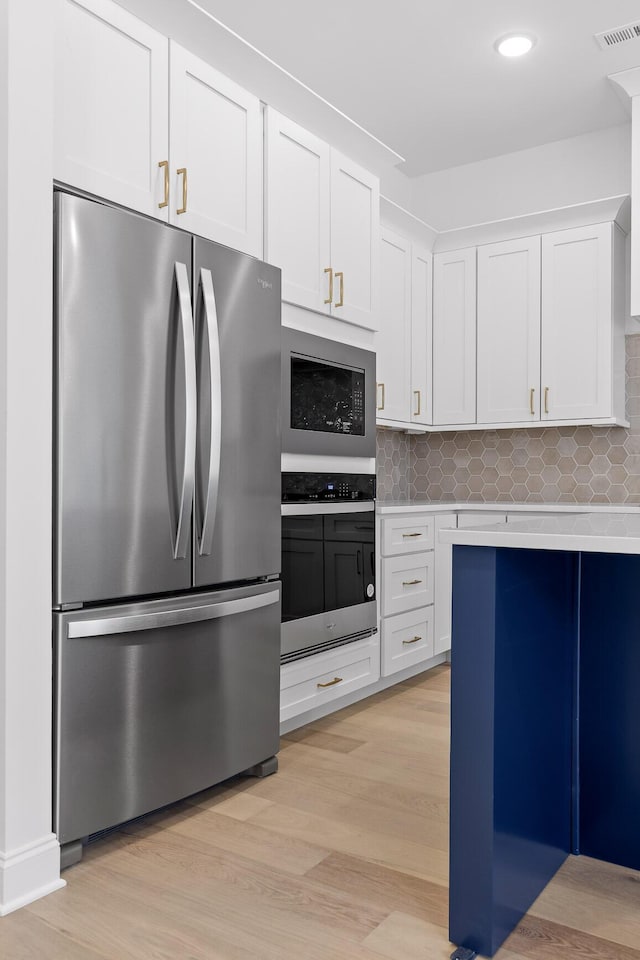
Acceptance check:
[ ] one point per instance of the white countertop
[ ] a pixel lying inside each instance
(612, 532)
(384, 507)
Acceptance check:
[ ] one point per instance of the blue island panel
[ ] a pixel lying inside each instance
(610, 708)
(514, 644)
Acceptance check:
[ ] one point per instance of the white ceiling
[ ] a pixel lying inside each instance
(423, 76)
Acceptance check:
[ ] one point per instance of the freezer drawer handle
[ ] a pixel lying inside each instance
(168, 618)
(191, 400)
(211, 503)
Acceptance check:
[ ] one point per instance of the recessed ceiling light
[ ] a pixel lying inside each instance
(514, 44)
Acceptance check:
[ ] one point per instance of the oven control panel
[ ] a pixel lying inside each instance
(327, 487)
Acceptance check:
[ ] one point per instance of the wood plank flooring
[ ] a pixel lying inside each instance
(340, 856)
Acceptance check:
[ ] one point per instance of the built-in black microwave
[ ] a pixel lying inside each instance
(328, 397)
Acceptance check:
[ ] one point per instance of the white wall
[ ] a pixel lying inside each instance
(29, 851)
(558, 174)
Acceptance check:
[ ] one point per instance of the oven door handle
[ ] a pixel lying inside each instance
(308, 509)
(358, 570)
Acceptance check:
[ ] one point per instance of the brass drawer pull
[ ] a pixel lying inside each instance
(165, 202)
(331, 683)
(532, 409)
(415, 640)
(407, 535)
(329, 270)
(340, 302)
(381, 407)
(183, 171)
(416, 393)
(410, 583)
(546, 399)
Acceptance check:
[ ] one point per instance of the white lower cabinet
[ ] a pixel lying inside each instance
(319, 679)
(442, 584)
(407, 639)
(407, 582)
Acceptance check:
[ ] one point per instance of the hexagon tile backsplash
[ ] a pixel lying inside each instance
(541, 465)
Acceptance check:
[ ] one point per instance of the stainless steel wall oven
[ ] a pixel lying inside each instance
(328, 561)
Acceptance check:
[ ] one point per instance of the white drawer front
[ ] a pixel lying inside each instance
(407, 583)
(319, 679)
(407, 639)
(407, 535)
(479, 518)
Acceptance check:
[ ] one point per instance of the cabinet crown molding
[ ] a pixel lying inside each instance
(627, 80)
(413, 228)
(609, 209)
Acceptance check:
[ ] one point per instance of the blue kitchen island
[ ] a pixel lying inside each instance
(545, 711)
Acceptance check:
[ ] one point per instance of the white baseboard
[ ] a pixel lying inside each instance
(28, 873)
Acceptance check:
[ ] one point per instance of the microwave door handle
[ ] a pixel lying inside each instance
(189, 351)
(213, 481)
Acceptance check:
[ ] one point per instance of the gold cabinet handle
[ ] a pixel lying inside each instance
(410, 583)
(329, 270)
(183, 171)
(546, 399)
(407, 535)
(165, 202)
(340, 302)
(331, 683)
(381, 387)
(414, 640)
(416, 393)
(532, 409)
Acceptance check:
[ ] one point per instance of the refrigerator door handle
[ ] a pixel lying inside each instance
(106, 626)
(188, 478)
(211, 503)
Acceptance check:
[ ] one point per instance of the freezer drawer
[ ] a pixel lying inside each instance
(156, 701)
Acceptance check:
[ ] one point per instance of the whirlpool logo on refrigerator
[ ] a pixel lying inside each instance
(265, 284)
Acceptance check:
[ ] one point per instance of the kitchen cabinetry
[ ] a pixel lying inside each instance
(403, 342)
(583, 323)
(454, 337)
(509, 331)
(314, 681)
(550, 329)
(145, 124)
(407, 591)
(322, 224)
(216, 139)
(111, 105)
(443, 584)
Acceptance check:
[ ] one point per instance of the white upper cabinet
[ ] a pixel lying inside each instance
(298, 212)
(403, 342)
(216, 154)
(393, 339)
(577, 323)
(117, 101)
(421, 335)
(111, 117)
(509, 331)
(322, 224)
(355, 231)
(454, 337)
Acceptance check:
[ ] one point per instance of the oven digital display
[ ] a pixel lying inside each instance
(326, 397)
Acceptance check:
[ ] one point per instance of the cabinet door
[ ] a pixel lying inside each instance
(442, 584)
(509, 331)
(393, 339)
(454, 337)
(216, 137)
(421, 335)
(297, 212)
(355, 235)
(111, 105)
(577, 323)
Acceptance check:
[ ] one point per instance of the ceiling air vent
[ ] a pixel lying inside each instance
(610, 38)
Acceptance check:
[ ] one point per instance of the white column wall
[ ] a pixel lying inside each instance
(29, 851)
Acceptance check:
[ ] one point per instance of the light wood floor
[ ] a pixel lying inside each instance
(340, 856)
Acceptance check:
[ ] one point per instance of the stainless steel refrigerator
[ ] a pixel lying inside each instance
(166, 515)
